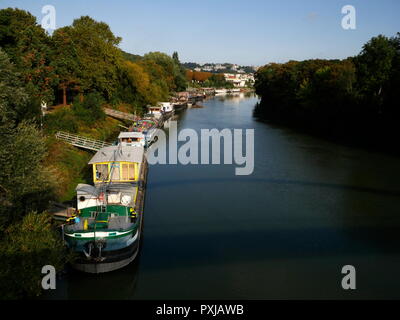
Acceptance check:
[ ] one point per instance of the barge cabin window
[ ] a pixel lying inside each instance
(101, 172)
(117, 171)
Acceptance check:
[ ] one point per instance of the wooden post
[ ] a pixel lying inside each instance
(64, 89)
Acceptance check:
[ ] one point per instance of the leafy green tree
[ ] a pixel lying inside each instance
(341, 98)
(98, 55)
(374, 67)
(65, 61)
(28, 47)
(25, 183)
(13, 97)
(179, 73)
(171, 70)
(136, 86)
(392, 109)
(217, 81)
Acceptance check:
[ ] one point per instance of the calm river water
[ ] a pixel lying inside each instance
(285, 232)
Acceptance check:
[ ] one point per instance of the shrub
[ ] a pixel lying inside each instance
(62, 120)
(26, 247)
(90, 110)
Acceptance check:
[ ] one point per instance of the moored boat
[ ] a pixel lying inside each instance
(162, 111)
(141, 134)
(107, 228)
(220, 91)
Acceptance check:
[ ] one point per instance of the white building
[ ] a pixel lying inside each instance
(239, 80)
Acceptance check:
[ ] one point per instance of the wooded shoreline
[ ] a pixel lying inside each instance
(351, 101)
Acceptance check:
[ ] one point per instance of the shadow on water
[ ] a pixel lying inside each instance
(189, 250)
(117, 285)
(164, 184)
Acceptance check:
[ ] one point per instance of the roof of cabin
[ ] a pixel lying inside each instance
(118, 153)
(129, 135)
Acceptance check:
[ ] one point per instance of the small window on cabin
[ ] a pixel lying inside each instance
(128, 171)
(125, 173)
(101, 171)
(131, 171)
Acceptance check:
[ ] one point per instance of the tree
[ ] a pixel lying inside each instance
(98, 55)
(24, 184)
(374, 67)
(27, 239)
(179, 73)
(341, 98)
(65, 61)
(28, 47)
(13, 97)
(173, 71)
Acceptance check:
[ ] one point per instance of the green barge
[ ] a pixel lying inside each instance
(106, 230)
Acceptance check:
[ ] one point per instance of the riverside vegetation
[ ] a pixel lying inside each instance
(81, 69)
(354, 100)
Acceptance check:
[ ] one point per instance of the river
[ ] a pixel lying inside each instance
(285, 232)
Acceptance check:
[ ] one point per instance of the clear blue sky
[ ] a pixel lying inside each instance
(251, 32)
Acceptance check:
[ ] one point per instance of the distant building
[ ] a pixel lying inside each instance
(239, 79)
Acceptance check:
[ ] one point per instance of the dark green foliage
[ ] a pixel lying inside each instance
(179, 73)
(27, 240)
(25, 184)
(338, 98)
(15, 102)
(29, 48)
(97, 53)
(171, 70)
(90, 110)
(217, 81)
(61, 120)
(25, 248)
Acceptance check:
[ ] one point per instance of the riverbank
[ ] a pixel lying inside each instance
(68, 163)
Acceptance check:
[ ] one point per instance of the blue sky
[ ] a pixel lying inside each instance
(251, 32)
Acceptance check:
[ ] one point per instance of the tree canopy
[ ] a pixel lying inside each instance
(337, 97)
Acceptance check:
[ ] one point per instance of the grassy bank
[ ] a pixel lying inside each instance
(69, 164)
